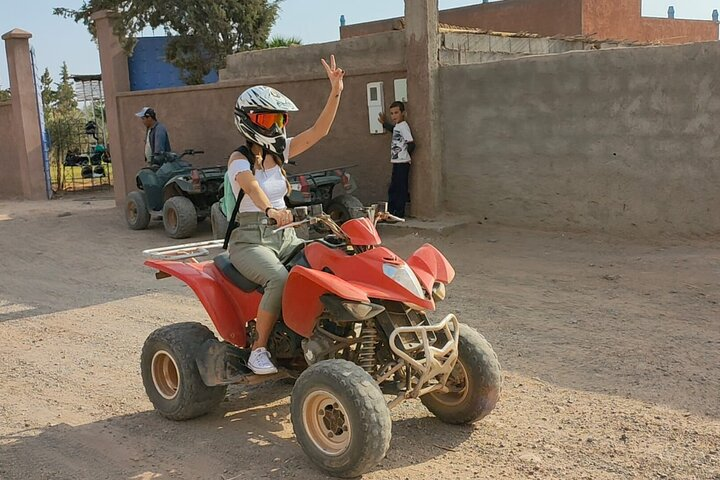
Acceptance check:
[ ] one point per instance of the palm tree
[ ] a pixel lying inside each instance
(277, 42)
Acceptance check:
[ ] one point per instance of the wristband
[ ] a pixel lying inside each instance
(268, 208)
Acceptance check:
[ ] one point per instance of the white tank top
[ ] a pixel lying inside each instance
(271, 182)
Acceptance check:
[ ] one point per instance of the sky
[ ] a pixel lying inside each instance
(57, 40)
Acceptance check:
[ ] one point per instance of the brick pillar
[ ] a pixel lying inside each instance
(421, 32)
(26, 119)
(115, 79)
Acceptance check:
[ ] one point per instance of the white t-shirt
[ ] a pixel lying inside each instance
(271, 180)
(401, 136)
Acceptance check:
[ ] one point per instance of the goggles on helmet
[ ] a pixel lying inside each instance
(267, 120)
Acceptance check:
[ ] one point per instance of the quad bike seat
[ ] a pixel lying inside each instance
(223, 263)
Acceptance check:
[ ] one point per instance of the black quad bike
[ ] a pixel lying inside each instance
(309, 188)
(172, 189)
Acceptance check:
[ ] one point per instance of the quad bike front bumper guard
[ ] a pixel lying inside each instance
(429, 373)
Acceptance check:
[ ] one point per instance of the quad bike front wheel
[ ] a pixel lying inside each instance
(137, 214)
(170, 373)
(475, 382)
(340, 418)
(179, 217)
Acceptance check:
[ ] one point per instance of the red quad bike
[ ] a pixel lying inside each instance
(353, 329)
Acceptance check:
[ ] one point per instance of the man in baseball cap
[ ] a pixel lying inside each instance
(156, 136)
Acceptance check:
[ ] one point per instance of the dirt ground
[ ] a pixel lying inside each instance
(610, 350)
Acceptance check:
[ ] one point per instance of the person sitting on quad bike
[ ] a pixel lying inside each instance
(157, 140)
(256, 170)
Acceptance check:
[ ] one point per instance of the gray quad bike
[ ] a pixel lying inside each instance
(173, 190)
(309, 188)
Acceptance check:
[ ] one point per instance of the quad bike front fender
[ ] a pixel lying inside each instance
(430, 266)
(301, 303)
(223, 312)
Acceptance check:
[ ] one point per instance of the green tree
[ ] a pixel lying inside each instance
(47, 94)
(63, 119)
(203, 33)
(65, 99)
(278, 41)
(4, 95)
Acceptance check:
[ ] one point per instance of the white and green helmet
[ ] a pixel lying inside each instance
(260, 99)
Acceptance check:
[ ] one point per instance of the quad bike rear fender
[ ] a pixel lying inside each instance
(227, 314)
(301, 303)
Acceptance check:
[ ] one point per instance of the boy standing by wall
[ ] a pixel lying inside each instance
(401, 147)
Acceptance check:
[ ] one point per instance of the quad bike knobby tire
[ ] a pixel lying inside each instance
(343, 208)
(475, 382)
(170, 374)
(137, 215)
(218, 222)
(179, 217)
(340, 418)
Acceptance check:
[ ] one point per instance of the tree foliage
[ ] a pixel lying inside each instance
(4, 95)
(63, 119)
(278, 41)
(47, 94)
(203, 33)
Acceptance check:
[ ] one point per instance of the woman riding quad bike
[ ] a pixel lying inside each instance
(354, 327)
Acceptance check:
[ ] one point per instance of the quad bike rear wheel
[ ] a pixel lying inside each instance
(340, 418)
(218, 221)
(137, 215)
(343, 208)
(179, 217)
(475, 383)
(170, 373)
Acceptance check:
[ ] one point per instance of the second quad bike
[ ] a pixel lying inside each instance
(309, 188)
(354, 327)
(172, 189)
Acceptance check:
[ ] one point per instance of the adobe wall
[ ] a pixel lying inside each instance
(544, 17)
(624, 141)
(604, 18)
(10, 184)
(201, 117)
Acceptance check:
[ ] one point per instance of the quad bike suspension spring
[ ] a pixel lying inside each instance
(368, 340)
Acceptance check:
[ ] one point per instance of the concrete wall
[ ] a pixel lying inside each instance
(623, 141)
(11, 186)
(201, 117)
(604, 19)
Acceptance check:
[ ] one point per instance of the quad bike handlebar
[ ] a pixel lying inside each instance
(164, 157)
(301, 216)
(190, 151)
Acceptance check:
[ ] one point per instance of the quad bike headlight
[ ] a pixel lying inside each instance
(404, 275)
(438, 291)
(362, 311)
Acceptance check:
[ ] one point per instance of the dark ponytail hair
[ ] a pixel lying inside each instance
(278, 161)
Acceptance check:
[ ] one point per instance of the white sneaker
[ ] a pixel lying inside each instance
(259, 362)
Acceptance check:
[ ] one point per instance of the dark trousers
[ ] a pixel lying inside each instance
(398, 193)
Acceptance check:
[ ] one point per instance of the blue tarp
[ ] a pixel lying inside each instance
(149, 70)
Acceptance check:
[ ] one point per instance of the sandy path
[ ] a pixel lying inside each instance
(610, 350)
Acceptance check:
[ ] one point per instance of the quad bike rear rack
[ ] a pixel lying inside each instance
(184, 251)
(433, 370)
